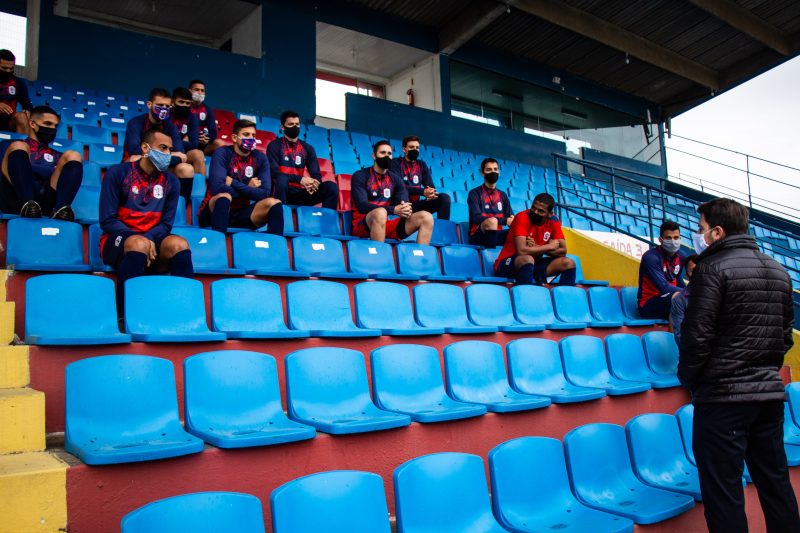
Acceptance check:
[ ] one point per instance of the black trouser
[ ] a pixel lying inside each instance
(439, 205)
(727, 434)
(327, 194)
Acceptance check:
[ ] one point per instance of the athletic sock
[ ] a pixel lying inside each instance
(275, 220)
(181, 264)
(221, 214)
(567, 277)
(68, 184)
(21, 174)
(525, 274)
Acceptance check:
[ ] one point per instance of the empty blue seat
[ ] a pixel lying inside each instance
(661, 351)
(407, 378)
(585, 365)
(606, 307)
(627, 361)
(437, 305)
(465, 262)
(658, 456)
(64, 144)
(490, 305)
(232, 400)
(336, 501)
(320, 221)
(105, 155)
(71, 309)
(86, 205)
(443, 492)
(113, 123)
(444, 232)
(322, 257)
(200, 511)
(45, 244)
(793, 397)
(387, 307)
(90, 134)
(327, 388)
(630, 305)
(323, 308)
(571, 305)
(375, 259)
(421, 260)
(263, 254)
(476, 373)
(73, 118)
(249, 309)
(532, 305)
(685, 418)
(209, 250)
(91, 175)
(791, 437)
(579, 279)
(534, 367)
(123, 408)
(531, 491)
(167, 309)
(602, 477)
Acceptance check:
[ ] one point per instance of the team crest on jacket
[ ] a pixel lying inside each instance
(248, 171)
(12, 90)
(48, 158)
(202, 115)
(184, 129)
(546, 236)
(158, 191)
(677, 269)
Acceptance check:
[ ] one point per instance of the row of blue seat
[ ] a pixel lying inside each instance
(172, 309)
(232, 399)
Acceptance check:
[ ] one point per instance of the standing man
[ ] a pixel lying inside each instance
(660, 281)
(489, 208)
(13, 91)
(206, 122)
(417, 178)
(738, 327)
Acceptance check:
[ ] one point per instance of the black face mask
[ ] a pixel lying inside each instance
(412, 155)
(536, 220)
(291, 131)
(491, 177)
(5, 75)
(181, 110)
(45, 135)
(383, 162)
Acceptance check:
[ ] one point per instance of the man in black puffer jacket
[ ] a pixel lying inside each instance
(737, 329)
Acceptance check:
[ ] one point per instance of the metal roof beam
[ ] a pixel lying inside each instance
(621, 39)
(746, 22)
(470, 22)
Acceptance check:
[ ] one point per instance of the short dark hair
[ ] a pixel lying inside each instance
(487, 161)
(241, 124)
(668, 225)
(288, 114)
(691, 259)
(546, 199)
(7, 55)
(149, 134)
(181, 92)
(728, 214)
(40, 110)
(379, 144)
(193, 82)
(410, 138)
(157, 91)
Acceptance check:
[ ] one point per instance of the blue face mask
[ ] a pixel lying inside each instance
(161, 112)
(160, 160)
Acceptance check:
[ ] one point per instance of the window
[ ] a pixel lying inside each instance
(331, 91)
(476, 118)
(13, 34)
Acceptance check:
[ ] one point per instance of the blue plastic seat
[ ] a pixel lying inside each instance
(464, 262)
(86, 205)
(602, 477)
(375, 259)
(407, 378)
(490, 305)
(122, 409)
(63, 144)
(71, 309)
(437, 305)
(387, 307)
(322, 257)
(180, 213)
(91, 175)
(167, 309)
(662, 352)
(336, 501)
(245, 308)
(476, 373)
(45, 244)
(421, 260)
(658, 456)
(685, 418)
(627, 361)
(90, 134)
(534, 367)
(606, 307)
(320, 221)
(327, 388)
(793, 397)
(445, 232)
(791, 436)
(200, 511)
(105, 155)
(571, 305)
(323, 308)
(443, 492)
(630, 305)
(263, 254)
(113, 123)
(532, 305)
(73, 118)
(209, 250)
(585, 365)
(232, 400)
(531, 491)
(579, 279)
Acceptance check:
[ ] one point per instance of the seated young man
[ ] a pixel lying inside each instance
(36, 179)
(660, 281)
(138, 200)
(186, 123)
(13, 91)
(489, 208)
(535, 249)
(377, 193)
(289, 158)
(207, 124)
(417, 178)
(239, 186)
(159, 110)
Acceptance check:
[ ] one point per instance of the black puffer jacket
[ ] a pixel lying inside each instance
(738, 325)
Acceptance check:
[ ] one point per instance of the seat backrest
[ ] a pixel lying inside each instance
(462, 261)
(443, 492)
(535, 363)
(90, 134)
(444, 232)
(440, 305)
(578, 267)
(318, 254)
(584, 359)
(180, 212)
(370, 299)
(489, 305)
(253, 251)
(201, 511)
(626, 356)
(793, 397)
(331, 382)
(630, 306)
(318, 221)
(406, 374)
(340, 500)
(246, 304)
(570, 304)
(371, 257)
(598, 459)
(317, 304)
(418, 259)
(489, 256)
(43, 241)
(655, 444)
(209, 249)
(475, 371)
(685, 417)
(532, 304)
(662, 351)
(160, 304)
(605, 304)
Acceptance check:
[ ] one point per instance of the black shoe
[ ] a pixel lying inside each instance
(31, 209)
(64, 213)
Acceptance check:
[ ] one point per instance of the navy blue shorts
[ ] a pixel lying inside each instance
(237, 218)
(114, 249)
(5, 122)
(479, 238)
(657, 307)
(506, 268)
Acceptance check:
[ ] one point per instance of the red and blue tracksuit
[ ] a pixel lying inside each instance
(484, 203)
(13, 92)
(141, 124)
(187, 128)
(371, 190)
(290, 160)
(241, 169)
(206, 122)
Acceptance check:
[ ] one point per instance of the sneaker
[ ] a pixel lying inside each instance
(64, 213)
(31, 209)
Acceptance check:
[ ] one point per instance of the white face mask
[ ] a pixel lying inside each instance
(671, 246)
(699, 241)
(198, 97)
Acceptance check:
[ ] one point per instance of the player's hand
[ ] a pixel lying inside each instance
(6, 109)
(404, 210)
(254, 182)
(228, 180)
(203, 139)
(151, 252)
(553, 245)
(179, 155)
(430, 193)
(509, 220)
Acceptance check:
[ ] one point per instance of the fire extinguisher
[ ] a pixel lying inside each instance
(410, 94)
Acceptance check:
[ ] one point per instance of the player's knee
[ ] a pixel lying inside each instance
(71, 155)
(19, 145)
(490, 224)
(378, 216)
(444, 198)
(523, 260)
(218, 143)
(329, 188)
(137, 243)
(173, 244)
(567, 263)
(195, 156)
(424, 218)
(184, 171)
(268, 202)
